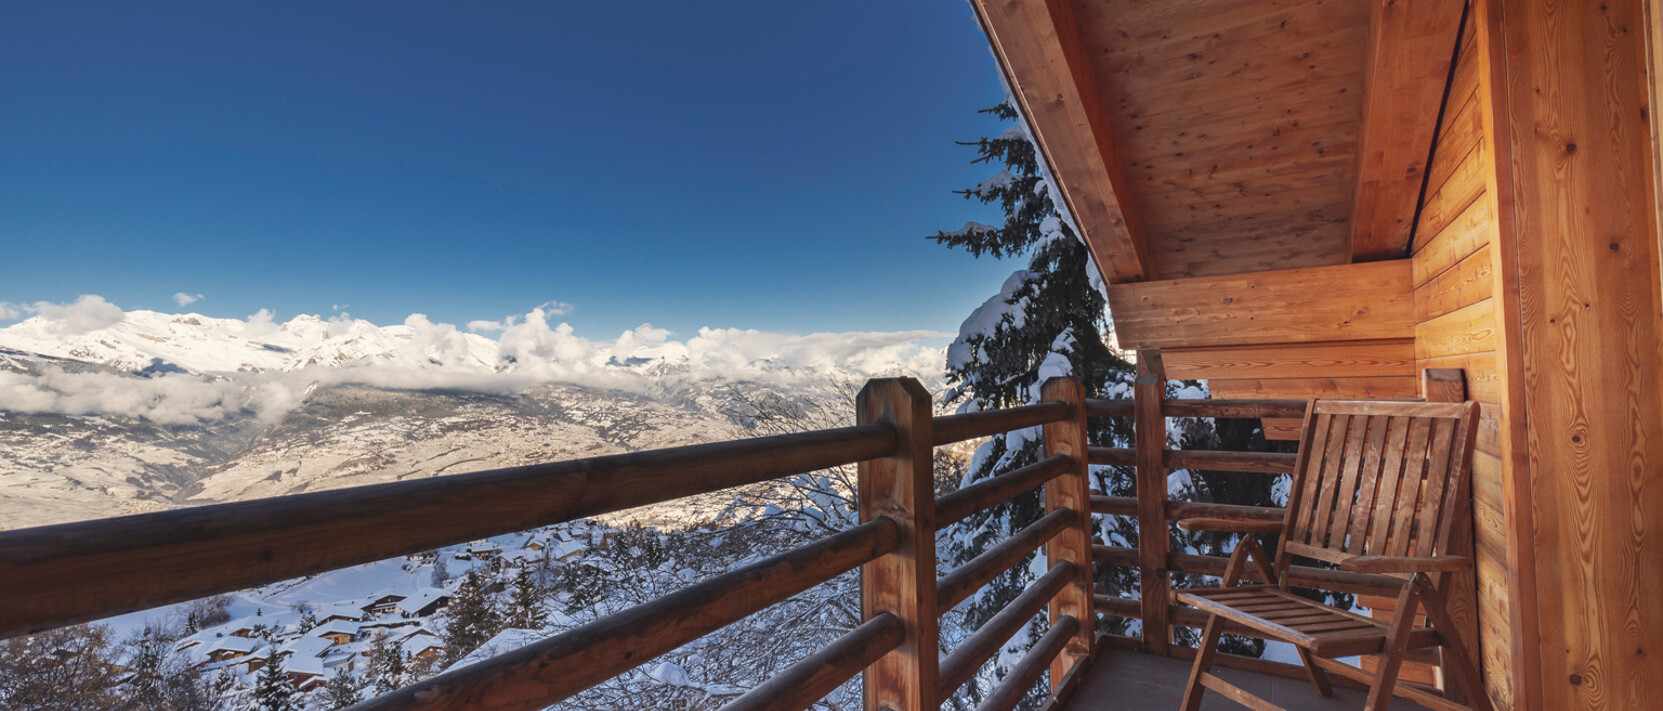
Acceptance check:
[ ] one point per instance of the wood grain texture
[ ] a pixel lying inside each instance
(1070, 492)
(1346, 302)
(1392, 388)
(1586, 243)
(1470, 281)
(1410, 47)
(1237, 121)
(1039, 46)
(1360, 359)
(1149, 434)
(1470, 329)
(901, 488)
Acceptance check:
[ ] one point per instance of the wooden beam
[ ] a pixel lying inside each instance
(1582, 227)
(1038, 46)
(901, 488)
(1344, 302)
(1411, 45)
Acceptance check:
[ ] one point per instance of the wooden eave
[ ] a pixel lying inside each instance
(1200, 139)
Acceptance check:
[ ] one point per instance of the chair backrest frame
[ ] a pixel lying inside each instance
(1379, 478)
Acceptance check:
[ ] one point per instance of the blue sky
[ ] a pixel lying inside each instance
(770, 165)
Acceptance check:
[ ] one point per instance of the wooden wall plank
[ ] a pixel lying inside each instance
(1338, 303)
(1470, 281)
(1364, 359)
(1472, 228)
(1346, 388)
(1449, 198)
(1467, 330)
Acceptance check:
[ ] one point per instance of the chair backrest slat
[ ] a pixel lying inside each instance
(1385, 500)
(1380, 478)
(1368, 482)
(1312, 454)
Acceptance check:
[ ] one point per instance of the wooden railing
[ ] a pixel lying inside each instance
(59, 575)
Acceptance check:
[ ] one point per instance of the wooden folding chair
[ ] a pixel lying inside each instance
(1378, 488)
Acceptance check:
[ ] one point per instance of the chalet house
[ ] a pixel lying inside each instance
(484, 550)
(337, 631)
(424, 647)
(382, 603)
(343, 612)
(423, 603)
(232, 647)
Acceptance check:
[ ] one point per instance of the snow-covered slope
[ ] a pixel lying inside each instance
(105, 412)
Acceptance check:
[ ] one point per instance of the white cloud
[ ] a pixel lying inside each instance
(183, 299)
(88, 313)
(9, 311)
(556, 308)
(257, 365)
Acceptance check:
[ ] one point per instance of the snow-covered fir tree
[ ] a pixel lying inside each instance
(1050, 319)
(525, 605)
(308, 618)
(342, 691)
(471, 618)
(388, 667)
(272, 690)
(441, 574)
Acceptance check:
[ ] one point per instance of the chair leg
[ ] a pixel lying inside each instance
(1466, 666)
(1203, 662)
(1319, 677)
(1391, 655)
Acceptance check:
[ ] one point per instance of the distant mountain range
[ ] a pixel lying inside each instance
(139, 411)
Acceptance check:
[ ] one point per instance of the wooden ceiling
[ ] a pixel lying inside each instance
(1208, 137)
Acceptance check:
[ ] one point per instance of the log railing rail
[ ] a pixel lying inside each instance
(65, 574)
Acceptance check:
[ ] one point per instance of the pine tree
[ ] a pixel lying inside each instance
(1047, 320)
(145, 688)
(308, 618)
(525, 608)
(1050, 319)
(388, 667)
(342, 691)
(441, 574)
(272, 690)
(472, 618)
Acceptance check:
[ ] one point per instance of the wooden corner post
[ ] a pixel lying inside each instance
(902, 583)
(1071, 491)
(1154, 539)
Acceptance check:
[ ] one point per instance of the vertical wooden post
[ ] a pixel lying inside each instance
(1450, 385)
(1071, 491)
(902, 583)
(1154, 538)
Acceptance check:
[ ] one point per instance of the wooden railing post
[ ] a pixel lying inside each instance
(902, 583)
(1071, 491)
(1154, 540)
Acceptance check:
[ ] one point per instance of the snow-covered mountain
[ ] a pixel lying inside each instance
(105, 412)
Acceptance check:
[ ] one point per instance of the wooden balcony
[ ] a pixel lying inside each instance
(65, 574)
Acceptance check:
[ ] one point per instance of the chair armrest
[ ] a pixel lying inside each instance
(1230, 525)
(1406, 564)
